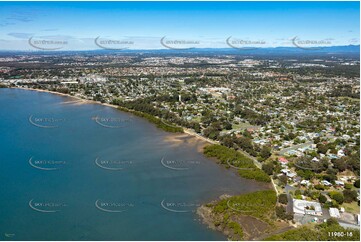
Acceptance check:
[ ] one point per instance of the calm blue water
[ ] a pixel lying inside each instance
(66, 175)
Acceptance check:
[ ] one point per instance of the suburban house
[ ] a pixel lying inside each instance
(283, 160)
(334, 213)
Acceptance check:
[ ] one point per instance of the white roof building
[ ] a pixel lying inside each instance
(315, 159)
(305, 182)
(334, 213)
(326, 183)
(285, 171)
(291, 174)
(307, 207)
(340, 153)
(340, 183)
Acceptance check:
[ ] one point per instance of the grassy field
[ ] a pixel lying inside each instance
(351, 207)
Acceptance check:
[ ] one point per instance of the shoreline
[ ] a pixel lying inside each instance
(187, 131)
(188, 136)
(85, 101)
(172, 137)
(190, 133)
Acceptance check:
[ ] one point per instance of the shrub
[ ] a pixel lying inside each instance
(230, 156)
(255, 174)
(319, 187)
(331, 221)
(298, 192)
(237, 229)
(348, 186)
(337, 196)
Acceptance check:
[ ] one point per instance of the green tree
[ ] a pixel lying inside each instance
(282, 198)
(349, 196)
(228, 126)
(283, 179)
(321, 148)
(268, 168)
(357, 183)
(337, 196)
(265, 152)
(339, 164)
(197, 128)
(322, 199)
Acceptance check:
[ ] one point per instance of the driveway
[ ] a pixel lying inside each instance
(288, 189)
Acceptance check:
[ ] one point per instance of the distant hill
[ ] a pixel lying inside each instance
(289, 51)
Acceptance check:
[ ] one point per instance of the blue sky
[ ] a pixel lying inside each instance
(205, 24)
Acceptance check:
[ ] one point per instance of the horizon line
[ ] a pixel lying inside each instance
(249, 49)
